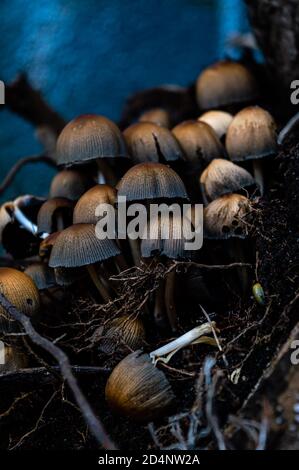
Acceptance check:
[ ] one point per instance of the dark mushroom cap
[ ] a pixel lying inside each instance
(251, 135)
(148, 142)
(223, 177)
(225, 217)
(166, 237)
(84, 212)
(199, 142)
(157, 116)
(137, 389)
(70, 184)
(151, 181)
(218, 120)
(50, 210)
(126, 329)
(20, 290)
(46, 245)
(225, 83)
(78, 246)
(42, 276)
(87, 138)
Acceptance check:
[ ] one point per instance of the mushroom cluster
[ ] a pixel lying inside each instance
(216, 160)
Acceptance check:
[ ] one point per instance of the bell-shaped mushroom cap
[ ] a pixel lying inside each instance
(138, 389)
(218, 120)
(46, 245)
(167, 236)
(157, 116)
(42, 276)
(78, 245)
(85, 209)
(225, 217)
(49, 212)
(70, 184)
(251, 135)
(223, 177)
(87, 138)
(199, 142)
(20, 290)
(225, 83)
(125, 329)
(151, 181)
(148, 142)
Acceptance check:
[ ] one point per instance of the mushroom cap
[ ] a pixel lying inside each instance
(70, 184)
(199, 142)
(218, 120)
(223, 177)
(124, 329)
(87, 138)
(251, 135)
(148, 142)
(225, 217)
(225, 83)
(166, 237)
(78, 245)
(157, 116)
(138, 389)
(151, 181)
(50, 210)
(20, 290)
(84, 212)
(46, 245)
(42, 276)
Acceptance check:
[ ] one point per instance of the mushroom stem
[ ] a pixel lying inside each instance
(258, 175)
(159, 308)
(106, 171)
(120, 263)
(94, 277)
(170, 299)
(135, 250)
(194, 336)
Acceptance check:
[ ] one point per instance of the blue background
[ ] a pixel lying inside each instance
(90, 55)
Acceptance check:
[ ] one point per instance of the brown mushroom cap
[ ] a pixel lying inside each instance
(42, 276)
(124, 329)
(148, 181)
(199, 142)
(20, 290)
(157, 116)
(46, 245)
(137, 389)
(223, 177)
(50, 210)
(225, 217)
(84, 212)
(70, 184)
(166, 237)
(87, 138)
(78, 246)
(225, 83)
(148, 142)
(218, 120)
(251, 135)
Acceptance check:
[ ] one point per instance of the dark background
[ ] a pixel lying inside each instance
(90, 55)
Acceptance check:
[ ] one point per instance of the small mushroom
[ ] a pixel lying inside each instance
(148, 142)
(125, 329)
(252, 136)
(78, 246)
(21, 291)
(54, 215)
(138, 389)
(42, 276)
(70, 184)
(223, 177)
(85, 209)
(158, 116)
(225, 83)
(218, 120)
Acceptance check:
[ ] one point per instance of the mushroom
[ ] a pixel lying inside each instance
(42, 276)
(148, 142)
(70, 184)
(54, 215)
(225, 83)
(126, 329)
(138, 389)
(78, 246)
(252, 136)
(218, 120)
(21, 291)
(157, 116)
(85, 209)
(91, 138)
(223, 177)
